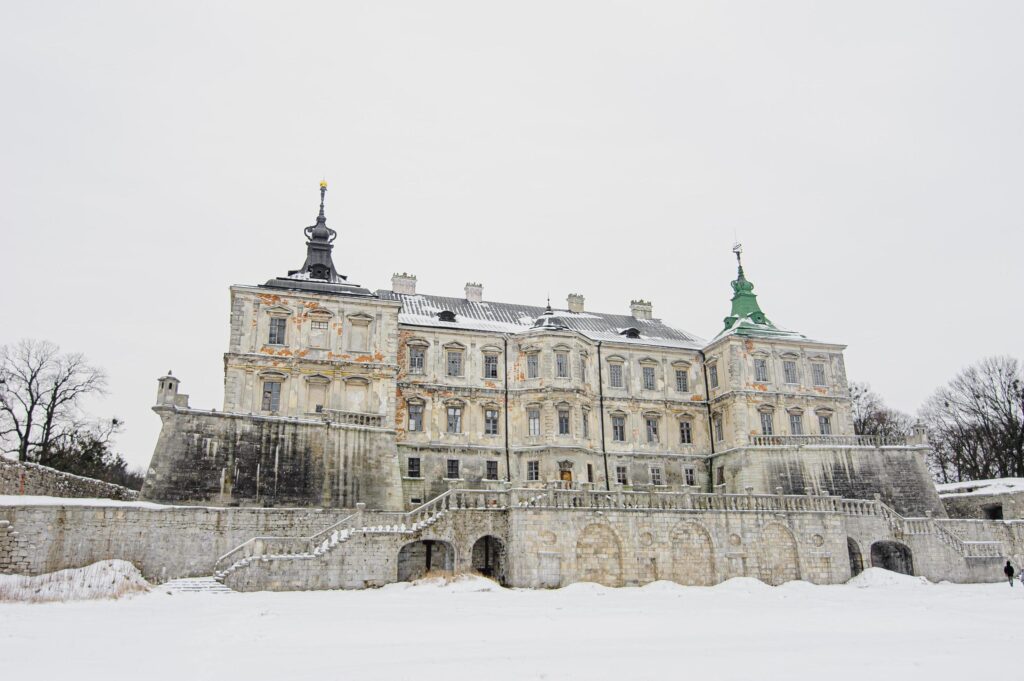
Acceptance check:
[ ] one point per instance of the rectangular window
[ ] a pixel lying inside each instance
(454, 420)
(690, 475)
(713, 376)
(621, 476)
(767, 425)
(454, 362)
(490, 366)
(586, 423)
(789, 371)
(648, 373)
(317, 397)
(719, 429)
(416, 353)
(492, 470)
(818, 373)
(532, 365)
(796, 424)
(413, 467)
(656, 478)
(271, 395)
(685, 433)
(652, 430)
(563, 421)
(825, 424)
(359, 336)
(318, 334)
(615, 375)
(533, 420)
(562, 365)
(682, 381)
(619, 428)
(533, 471)
(590, 472)
(490, 422)
(277, 329)
(453, 469)
(760, 370)
(720, 475)
(416, 418)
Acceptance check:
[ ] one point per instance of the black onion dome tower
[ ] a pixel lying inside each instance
(318, 273)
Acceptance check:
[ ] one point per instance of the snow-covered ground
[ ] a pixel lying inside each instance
(981, 487)
(893, 627)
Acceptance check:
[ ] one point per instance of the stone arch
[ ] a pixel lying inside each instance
(599, 556)
(780, 561)
(892, 555)
(489, 558)
(417, 558)
(693, 555)
(856, 557)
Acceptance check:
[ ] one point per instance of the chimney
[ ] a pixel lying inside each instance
(575, 302)
(474, 292)
(403, 283)
(640, 309)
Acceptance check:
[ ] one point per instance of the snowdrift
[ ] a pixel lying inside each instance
(880, 577)
(105, 579)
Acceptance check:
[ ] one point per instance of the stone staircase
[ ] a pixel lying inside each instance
(195, 585)
(361, 522)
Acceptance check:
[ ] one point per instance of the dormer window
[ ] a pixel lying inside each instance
(319, 272)
(630, 333)
(446, 316)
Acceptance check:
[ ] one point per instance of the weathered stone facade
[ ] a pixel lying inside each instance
(33, 479)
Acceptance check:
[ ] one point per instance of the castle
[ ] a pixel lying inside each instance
(368, 437)
(372, 436)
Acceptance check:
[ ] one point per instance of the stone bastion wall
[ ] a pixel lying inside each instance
(527, 538)
(33, 479)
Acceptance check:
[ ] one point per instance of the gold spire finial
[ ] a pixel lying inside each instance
(323, 184)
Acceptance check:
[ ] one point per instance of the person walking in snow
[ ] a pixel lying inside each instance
(1008, 571)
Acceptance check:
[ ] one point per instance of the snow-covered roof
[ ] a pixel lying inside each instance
(422, 310)
(981, 487)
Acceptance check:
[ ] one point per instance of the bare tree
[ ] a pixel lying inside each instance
(40, 393)
(976, 422)
(871, 416)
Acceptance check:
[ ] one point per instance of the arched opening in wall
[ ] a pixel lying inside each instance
(892, 555)
(856, 558)
(599, 556)
(420, 557)
(489, 558)
(992, 511)
(693, 555)
(779, 559)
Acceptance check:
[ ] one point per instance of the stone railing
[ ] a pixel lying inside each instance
(352, 418)
(826, 441)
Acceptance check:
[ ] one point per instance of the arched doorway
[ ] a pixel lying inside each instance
(892, 555)
(856, 558)
(599, 556)
(420, 557)
(489, 558)
(693, 555)
(779, 559)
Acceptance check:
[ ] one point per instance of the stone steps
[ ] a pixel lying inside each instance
(195, 585)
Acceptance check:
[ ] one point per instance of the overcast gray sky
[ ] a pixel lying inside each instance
(867, 154)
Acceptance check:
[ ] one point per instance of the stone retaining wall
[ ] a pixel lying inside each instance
(36, 480)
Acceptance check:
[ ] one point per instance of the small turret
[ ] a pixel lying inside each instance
(167, 394)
